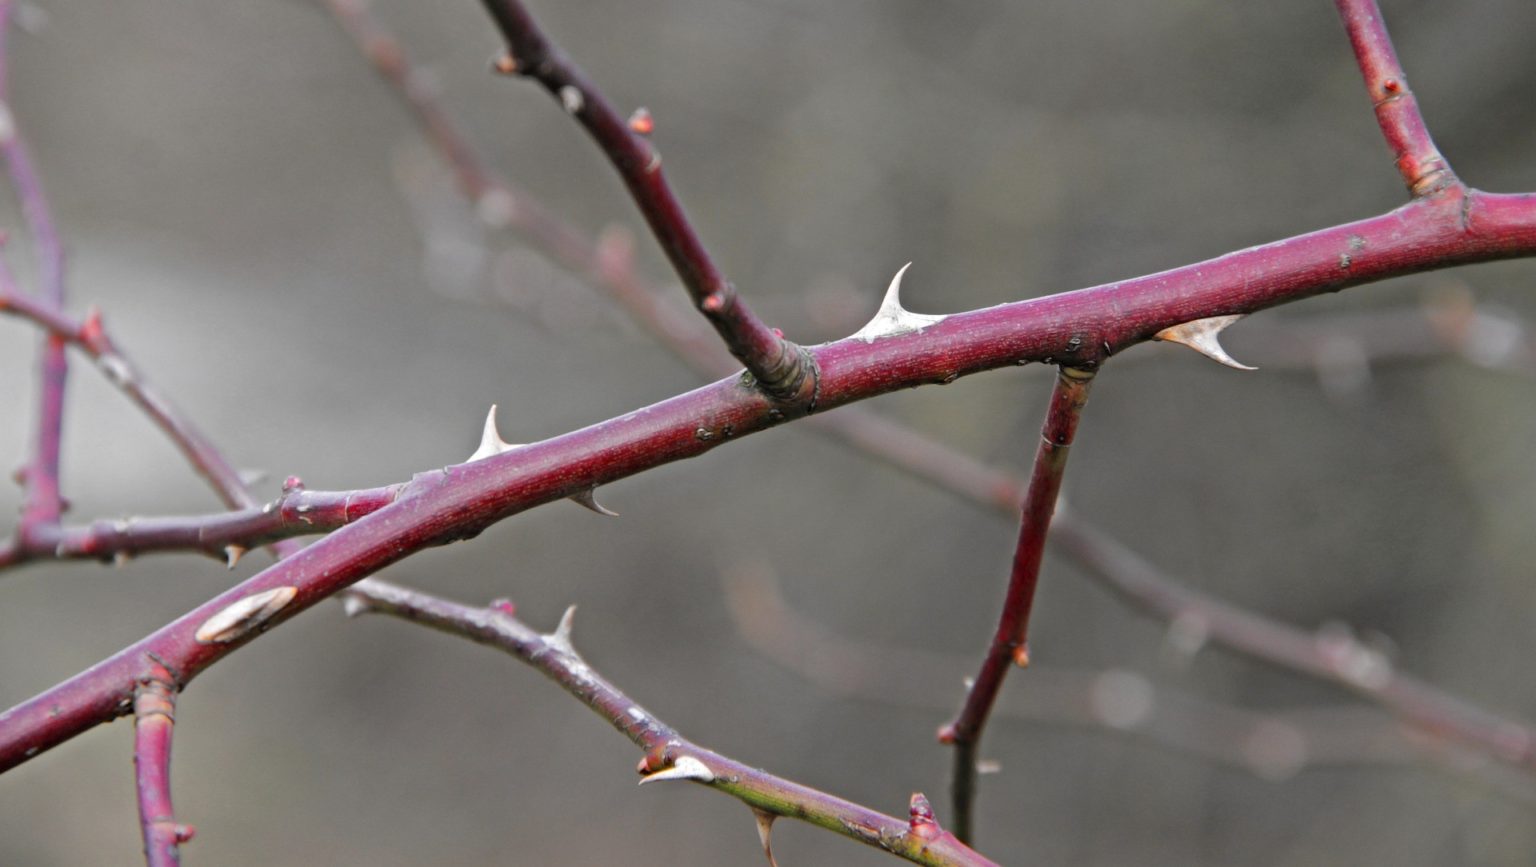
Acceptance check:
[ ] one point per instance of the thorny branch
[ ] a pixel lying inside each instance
(1080, 329)
(782, 369)
(668, 755)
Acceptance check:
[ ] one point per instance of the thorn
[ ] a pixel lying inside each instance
(892, 318)
(91, 330)
(491, 443)
(504, 64)
(1201, 336)
(1021, 655)
(572, 99)
(683, 768)
(765, 832)
(560, 639)
(641, 122)
(251, 478)
(121, 558)
(587, 498)
(921, 823)
(353, 605)
(989, 766)
(232, 554)
(243, 616)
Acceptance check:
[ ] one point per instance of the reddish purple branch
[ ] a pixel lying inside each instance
(1010, 643)
(44, 503)
(1423, 169)
(779, 366)
(668, 755)
(1077, 328)
(154, 709)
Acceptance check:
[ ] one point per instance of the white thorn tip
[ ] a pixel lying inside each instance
(491, 443)
(588, 498)
(892, 318)
(1201, 335)
(685, 768)
(232, 555)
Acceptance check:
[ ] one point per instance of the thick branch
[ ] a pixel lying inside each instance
(668, 755)
(778, 365)
(1423, 169)
(1078, 328)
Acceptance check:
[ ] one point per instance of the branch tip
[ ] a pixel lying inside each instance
(1202, 335)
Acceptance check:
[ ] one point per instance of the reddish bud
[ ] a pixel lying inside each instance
(505, 606)
(91, 330)
(641, 122)
(947, 734)
(506, 64)
(1021, 655)
(920, 823)
(714, 303)
(185, 833)
(292, 483)
(778, 332)
(1391, 85)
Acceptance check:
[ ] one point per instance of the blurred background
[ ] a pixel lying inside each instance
(273, 242)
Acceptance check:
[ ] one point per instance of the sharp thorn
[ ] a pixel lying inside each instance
(684, 768)
(765, 832)
(892, 318)
(491, 443)
(232, 555)
(588, 498)
(1201, 336)
(560, 639)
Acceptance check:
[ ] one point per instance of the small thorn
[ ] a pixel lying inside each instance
(587, 498)
(91, 330)
(121, 558)
(572, 99)
(560, 639)
(683, 768)
(491, 443)
(765, 832)
(232, 555)
(353, 605)
(641, 122)
(989, 766)
(504, 64)
(1201, 336)
(1021, 655)
(892, 318)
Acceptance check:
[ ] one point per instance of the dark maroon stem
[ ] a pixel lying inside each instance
(1077, 327)
(44, 503)
(779, 366)
(1423, 169)
(1010, 642)
(154, 709)
(664, 747)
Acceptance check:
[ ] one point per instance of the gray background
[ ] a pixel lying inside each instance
(258, 220)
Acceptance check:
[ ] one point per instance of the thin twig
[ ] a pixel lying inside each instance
(1423, 169)
(1010, 643)
(668, 755)
(780, 367)
(154, 712)
(44, 503)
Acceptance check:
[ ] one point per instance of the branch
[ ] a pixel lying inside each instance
(1010, 643)
(1078, 329)
(44, 504)
(668, 755)
(1423, 169)
(783, 369)
(154, 710)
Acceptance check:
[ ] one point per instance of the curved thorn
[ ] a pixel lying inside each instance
(588, 498)
(1201, 335)
(892, 318)
(765, 832)
(232, 555)
(684, 768)
(491, 443)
